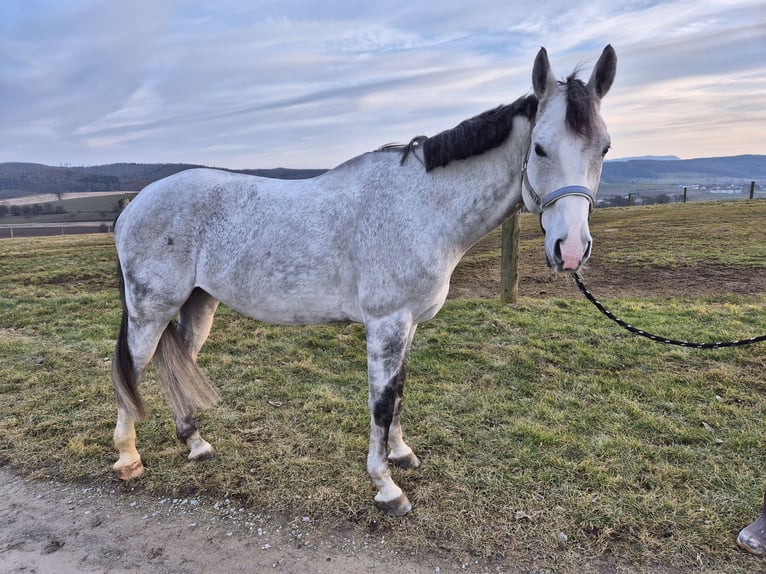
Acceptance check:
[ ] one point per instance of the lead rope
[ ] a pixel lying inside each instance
(657, 338)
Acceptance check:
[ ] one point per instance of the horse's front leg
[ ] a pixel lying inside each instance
(753, 536)
(388, 342)
(400, 453)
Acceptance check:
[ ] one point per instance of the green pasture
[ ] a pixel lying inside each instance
(549, 439)
(98, 203)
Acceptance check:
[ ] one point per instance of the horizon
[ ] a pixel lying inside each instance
(301, 86)
(669, 157)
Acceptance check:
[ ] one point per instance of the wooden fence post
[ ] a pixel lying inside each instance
(509, 260)
(684, 195)
(752, 189)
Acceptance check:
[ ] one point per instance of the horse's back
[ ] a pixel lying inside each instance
(200, 189)
(343, 246)
(199, 204)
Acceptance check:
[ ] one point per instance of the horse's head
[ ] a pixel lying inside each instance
(568, 143)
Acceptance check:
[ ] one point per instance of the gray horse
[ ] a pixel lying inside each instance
(373, 241)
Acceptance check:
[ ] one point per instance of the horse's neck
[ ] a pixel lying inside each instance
(487, 190)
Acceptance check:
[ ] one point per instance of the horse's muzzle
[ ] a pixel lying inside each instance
(568, 255)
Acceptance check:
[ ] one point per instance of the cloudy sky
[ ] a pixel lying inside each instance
(268, 83)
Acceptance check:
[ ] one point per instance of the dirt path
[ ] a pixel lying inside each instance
(482, 281)
(48, 527)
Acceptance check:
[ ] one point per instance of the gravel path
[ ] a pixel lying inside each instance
(50, 527)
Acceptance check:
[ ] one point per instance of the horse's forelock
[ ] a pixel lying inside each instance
(581, 106)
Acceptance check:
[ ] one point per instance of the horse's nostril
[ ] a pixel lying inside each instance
(557, 252)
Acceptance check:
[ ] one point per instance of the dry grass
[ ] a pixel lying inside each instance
(531, 420)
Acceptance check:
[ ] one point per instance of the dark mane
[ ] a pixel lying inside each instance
(581, 106)
(473, 136)
(491, 128)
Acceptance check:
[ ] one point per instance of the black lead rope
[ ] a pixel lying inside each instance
(657, 338)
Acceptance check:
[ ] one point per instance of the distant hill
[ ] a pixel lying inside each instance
(654, 157)
(19, 179)
(701, 170)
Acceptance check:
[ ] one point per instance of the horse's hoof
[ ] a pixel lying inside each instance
(408, 462)
(397, 507)
(752, 538)
(133, 470)
(201, 450)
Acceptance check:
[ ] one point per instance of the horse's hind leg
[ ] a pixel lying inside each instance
(194, 321)
(135, 347)
(142, 335)
(129, 463)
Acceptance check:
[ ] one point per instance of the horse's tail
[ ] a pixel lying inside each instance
(185, 386)
(123, 374)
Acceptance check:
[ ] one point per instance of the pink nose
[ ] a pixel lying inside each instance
(572, 253)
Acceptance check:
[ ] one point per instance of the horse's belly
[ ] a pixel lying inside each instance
(288, 304)
(310, 283)
(295, 312)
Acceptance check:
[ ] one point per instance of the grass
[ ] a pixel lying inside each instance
(660, 236)
(531, 420)
(684, 234)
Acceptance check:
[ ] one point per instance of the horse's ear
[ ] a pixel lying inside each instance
(543, 79)
(603, 74)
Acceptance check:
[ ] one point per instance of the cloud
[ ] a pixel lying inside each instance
(310, 84)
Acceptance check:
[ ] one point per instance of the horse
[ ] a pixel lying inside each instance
(373, 241)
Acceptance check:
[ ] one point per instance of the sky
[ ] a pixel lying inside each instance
(279, 83)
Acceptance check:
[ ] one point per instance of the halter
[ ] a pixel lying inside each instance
(542, 202)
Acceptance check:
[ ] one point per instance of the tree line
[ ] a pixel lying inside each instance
(19, 179)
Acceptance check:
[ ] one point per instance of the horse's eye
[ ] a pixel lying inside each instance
(540, 151)
(606, 150)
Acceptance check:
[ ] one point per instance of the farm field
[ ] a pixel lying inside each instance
(551, 441)
(91, 212)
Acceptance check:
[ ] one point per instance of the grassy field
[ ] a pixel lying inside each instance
(549, 439)
(96, 208)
